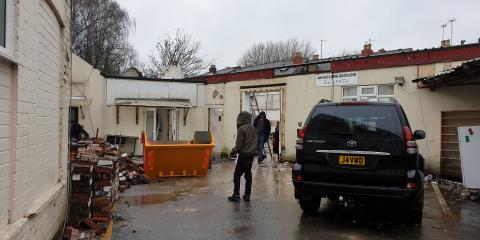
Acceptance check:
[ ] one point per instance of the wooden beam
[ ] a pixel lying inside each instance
(136, 115)
(441, 200)
(185, 114)
(117, 114)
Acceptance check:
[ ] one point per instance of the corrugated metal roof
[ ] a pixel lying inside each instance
(466, 74)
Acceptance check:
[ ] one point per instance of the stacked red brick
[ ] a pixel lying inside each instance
(82, 180)
(105, 186)
(94, 185)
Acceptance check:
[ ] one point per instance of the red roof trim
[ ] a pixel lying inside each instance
(407, 59)
(419, 57)
(242, 76)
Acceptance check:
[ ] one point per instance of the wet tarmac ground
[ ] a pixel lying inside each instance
(197, 208)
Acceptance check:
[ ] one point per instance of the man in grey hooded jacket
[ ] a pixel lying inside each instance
(246, 147)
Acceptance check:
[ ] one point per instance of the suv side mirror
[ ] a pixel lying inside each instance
(419, 134)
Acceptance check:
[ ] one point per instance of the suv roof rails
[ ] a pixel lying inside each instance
(324, 101)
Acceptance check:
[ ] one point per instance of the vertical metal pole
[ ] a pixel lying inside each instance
(443, 31)
(321, 49)
(451, 30)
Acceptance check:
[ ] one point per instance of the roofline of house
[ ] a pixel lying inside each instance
(182, 80)
(355, 63)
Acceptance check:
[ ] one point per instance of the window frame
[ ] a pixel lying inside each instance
(375, 96)
(7, 51)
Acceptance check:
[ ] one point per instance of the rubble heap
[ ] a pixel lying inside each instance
(130, 173)
(455, 190)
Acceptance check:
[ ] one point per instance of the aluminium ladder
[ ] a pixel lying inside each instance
(255, 110)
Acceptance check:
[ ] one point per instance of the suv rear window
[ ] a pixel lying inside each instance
(368, 121)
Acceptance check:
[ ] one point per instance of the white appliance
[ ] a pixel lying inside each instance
(469, 140)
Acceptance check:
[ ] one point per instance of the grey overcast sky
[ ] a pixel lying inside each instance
(227, 27)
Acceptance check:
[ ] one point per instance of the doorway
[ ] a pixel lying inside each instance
(151, 123)
(215, 117)
(271, 101)
(161, 124)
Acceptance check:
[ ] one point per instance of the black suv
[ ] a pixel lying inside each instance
(359, 151)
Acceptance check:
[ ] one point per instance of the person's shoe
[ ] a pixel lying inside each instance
(234, 198)
(246, 198)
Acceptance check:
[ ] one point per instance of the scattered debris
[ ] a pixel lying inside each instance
(437, 226)
(131, 172)
(455, 190)
(118, 218)
(428, 178)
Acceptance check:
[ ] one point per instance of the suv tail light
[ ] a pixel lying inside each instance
(300, 138)
(411, 145)
(298, 177)
(412, 185)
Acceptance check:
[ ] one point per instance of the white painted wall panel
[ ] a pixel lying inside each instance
(124, 88)
(5, 83)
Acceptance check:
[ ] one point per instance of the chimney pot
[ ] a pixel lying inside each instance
(367, 49)
(445, 43)
(315, 57)
(212, 69)
(297, 59)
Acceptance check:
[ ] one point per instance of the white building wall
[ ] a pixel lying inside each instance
(5, 139)
(92, 85)
(124, 88)
(33, 120)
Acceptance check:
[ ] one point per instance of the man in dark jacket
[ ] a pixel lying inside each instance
(262, 124)
(246, 147)
(276, 141)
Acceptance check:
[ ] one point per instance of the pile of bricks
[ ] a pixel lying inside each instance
(130, 173)
(94, 175)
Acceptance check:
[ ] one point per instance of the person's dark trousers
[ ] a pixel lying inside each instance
(260, 147)
(244, 166)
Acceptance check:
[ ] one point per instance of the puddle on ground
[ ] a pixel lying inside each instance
(156, 198)
(147, 199)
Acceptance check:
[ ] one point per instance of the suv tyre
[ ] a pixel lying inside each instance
(310, 206)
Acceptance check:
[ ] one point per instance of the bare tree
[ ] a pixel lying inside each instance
(100, 35)
(181, 50)
(266, 52)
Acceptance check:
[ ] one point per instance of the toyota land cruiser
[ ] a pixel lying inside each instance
(359, 151)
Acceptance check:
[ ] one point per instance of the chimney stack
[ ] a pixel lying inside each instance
(445, 43)
(315, 57)
(367, 49)
(212, 70)
(297, 59)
